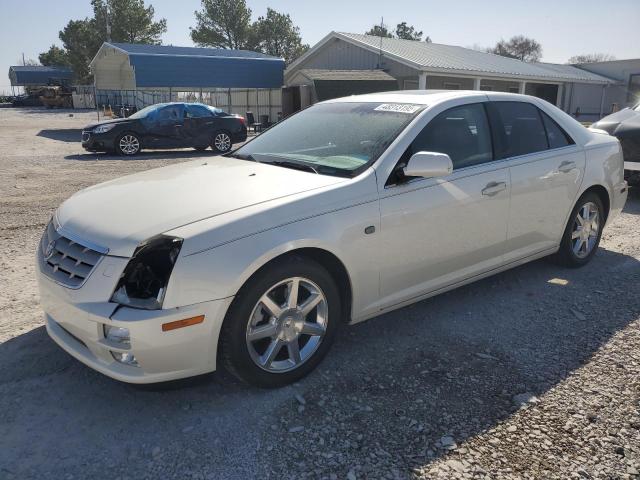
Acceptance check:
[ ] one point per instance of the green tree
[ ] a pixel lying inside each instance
(520, 47)
(81, 43)
(379, 31)
(407, 32)
(54, 57)
(275, 34)
(130, 21)
(223, 24)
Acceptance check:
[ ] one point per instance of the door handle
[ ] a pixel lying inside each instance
(567, 166)
(494, 188)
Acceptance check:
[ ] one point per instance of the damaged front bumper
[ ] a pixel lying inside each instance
(75, 319)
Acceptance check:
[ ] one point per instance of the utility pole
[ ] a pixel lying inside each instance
(23, 62)
(108, 23)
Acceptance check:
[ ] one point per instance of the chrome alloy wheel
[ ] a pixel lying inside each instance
(222, 142)
(129, 145)
(586, 228)
(287, 325)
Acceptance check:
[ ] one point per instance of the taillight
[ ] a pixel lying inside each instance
(242, 120)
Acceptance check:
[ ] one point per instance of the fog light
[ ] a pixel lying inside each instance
(125, 357)
(117, 335)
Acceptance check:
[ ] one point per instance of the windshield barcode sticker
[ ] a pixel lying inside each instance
(397, 108)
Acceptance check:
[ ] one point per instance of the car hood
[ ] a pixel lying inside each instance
(115, 120)
(121, 213)
(624, 118)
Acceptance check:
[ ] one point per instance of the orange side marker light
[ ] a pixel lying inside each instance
(187, 322)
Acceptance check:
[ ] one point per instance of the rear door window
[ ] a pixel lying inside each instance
(170, 113)
(518, 129)
(217, 112)
(461, 132)
(557, 137)
(198, 111)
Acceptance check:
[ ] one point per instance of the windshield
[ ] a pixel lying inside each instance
(146, 111)
(332, 138)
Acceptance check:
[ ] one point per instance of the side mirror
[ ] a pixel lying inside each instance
(428, 165)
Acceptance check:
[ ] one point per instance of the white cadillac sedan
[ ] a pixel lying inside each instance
(346, 210)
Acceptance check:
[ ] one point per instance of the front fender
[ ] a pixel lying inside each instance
(220, 272)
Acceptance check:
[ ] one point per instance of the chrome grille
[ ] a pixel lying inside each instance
(64, 260)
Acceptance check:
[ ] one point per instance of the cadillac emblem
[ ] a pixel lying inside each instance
(49, 250)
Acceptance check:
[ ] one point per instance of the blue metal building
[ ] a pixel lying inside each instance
(37, 75)
(122, 66)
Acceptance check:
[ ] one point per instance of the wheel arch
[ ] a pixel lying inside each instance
(604, 196)
(328, 260)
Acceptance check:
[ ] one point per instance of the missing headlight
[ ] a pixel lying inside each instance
(144, 280)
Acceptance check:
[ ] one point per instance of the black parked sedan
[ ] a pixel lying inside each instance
(167, 125)
(625, 125)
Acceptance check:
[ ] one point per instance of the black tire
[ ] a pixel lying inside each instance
(566, 254)
(221, 142)
(123, 150)
(234, 352)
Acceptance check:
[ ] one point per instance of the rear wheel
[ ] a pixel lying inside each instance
(582, 234)
(222, 142)
(128, 144)
(281, 324)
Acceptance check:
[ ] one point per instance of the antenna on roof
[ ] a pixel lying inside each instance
(380, 53)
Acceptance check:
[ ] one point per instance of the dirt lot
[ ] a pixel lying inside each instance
(511, 377)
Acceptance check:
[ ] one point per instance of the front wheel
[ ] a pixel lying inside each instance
(582, 235)
(222, 142)
(281, 324)
(128, 144)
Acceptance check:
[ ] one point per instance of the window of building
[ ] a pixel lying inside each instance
(410, 85)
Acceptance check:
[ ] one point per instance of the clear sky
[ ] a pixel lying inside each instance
(563, 27)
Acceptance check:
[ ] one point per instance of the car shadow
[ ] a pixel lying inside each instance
(144, 155)
(388, 391)
(44, 110)
(68, 135)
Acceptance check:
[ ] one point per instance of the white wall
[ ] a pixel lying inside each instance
(619, 70)
(587, 98)
(112, 71)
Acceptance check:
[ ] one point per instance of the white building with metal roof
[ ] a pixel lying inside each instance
(422, 65)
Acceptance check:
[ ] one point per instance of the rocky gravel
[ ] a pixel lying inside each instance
(532, 373)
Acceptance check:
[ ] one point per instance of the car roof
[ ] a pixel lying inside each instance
(165, 104)
(425, 97)
(430, 98)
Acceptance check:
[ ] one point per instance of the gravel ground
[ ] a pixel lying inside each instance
(533, 373)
